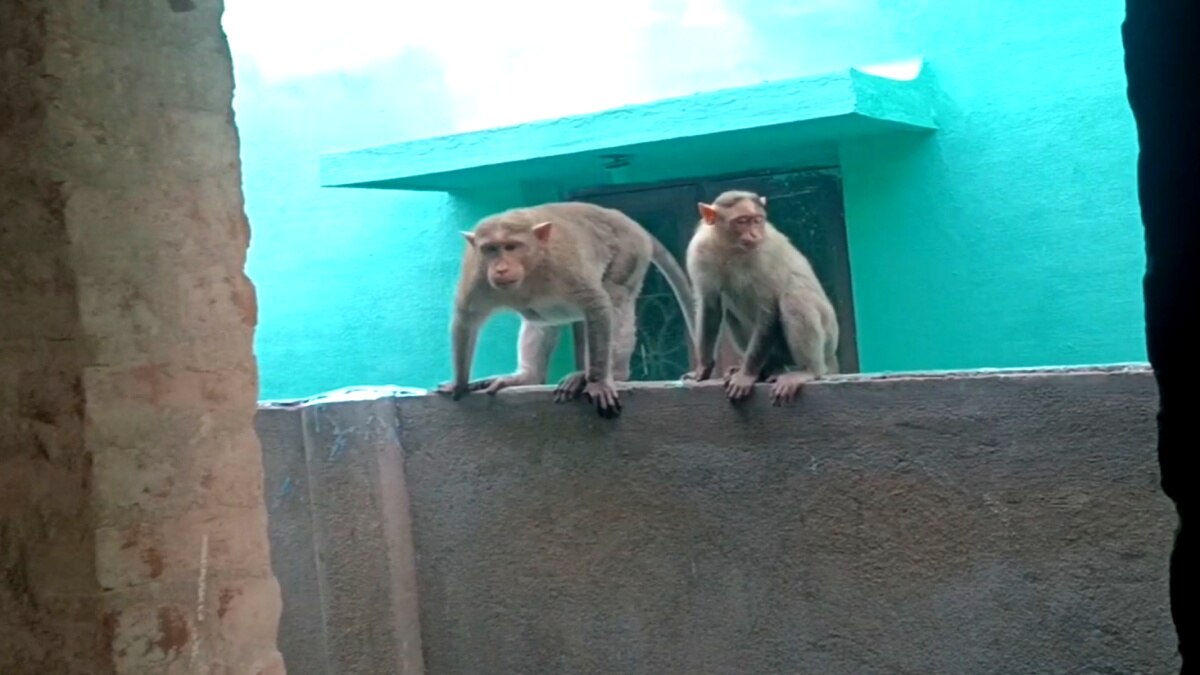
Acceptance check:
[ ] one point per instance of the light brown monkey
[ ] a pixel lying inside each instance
(558, 264)
(749, 276)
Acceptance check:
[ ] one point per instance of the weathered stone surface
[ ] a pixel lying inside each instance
(132, 527)
(302, 626)
(951, 525)
(960, 524)
(339, 514)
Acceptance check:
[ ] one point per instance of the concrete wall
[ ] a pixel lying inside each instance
(1020, 211)
(1001, 523)
(133, 535)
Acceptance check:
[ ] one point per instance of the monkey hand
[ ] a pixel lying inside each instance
(604, 395)
(739, 384)
(786, 386)
(701, 373)
(454, 390)
(570, 387)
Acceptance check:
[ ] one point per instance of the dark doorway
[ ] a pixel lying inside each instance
(805, 205)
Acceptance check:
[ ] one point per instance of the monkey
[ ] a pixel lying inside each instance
(749, 277)
(557, 264)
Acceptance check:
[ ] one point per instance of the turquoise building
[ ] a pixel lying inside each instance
(961, 174)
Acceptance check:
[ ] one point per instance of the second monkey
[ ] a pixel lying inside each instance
(749, 276)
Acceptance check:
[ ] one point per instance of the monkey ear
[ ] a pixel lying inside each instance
(542, 231)
(762, 200)
(469, 236)
(707, 212)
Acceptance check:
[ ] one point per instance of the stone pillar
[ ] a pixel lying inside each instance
(132, 526)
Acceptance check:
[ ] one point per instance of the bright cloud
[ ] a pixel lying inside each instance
(504, 62)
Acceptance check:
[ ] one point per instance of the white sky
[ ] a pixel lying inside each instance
(504, 62)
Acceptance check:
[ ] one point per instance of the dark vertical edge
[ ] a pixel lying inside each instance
(832, 211)
(302, 638)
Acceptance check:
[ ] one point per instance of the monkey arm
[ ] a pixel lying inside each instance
(598, 319)
(758, 348)
(708, 325)
(464, 332)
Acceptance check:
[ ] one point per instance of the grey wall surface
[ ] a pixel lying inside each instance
(983, 524)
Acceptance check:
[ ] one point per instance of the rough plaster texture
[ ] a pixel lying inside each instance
(132, 526)
(994, 523)
(339, 533)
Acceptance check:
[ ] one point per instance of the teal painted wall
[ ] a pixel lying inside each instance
(1009, 238)
(354, 286)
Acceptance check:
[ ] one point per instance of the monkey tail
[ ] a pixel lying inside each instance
(677, 278)
(831, 344)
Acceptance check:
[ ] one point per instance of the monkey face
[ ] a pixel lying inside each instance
(507, 261)
(509, 253)
(745, 224)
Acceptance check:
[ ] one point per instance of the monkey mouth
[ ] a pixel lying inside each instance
(505, 284)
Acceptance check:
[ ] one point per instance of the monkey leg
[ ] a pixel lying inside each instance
(739, 333)
(707, 331)
(599, 317)
(777, 357)
(534, 346)
(623, 342)
(571, 386)
(804, 335)
(624, 337)
(806, 341)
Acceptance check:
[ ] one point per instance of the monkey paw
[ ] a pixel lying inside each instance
(570, 387)
(456, 390)
(786, 386)
(739, 385)
(494, 384)
(604, 395)
(700, 374)
(488, 385)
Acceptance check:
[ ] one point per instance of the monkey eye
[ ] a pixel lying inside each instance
(511, 246)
